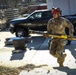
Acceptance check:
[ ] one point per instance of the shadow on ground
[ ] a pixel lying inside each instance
(36, 42)
(17, 55)
(67, 70)
(41, 43)
(72, 49)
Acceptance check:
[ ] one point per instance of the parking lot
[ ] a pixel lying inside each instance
(37, 53)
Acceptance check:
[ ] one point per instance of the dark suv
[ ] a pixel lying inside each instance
(35, 21)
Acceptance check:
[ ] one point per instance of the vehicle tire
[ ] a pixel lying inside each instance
(21, 33)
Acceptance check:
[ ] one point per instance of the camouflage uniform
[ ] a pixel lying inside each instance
(57, 26)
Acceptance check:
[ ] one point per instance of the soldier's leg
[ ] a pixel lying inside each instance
(61, 60)
(52, 47)
(68, 42)
(56, 48)
(60, 55)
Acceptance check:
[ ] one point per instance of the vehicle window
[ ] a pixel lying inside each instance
(47, 14)
(36, 15)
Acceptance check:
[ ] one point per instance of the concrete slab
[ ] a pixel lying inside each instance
(42, 57)
(8, 58)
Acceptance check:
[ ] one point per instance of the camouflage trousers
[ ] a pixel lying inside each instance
(56, 49)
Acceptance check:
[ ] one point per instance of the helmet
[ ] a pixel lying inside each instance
(56, 10)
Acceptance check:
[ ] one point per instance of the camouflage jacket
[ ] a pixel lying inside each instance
(57, 26)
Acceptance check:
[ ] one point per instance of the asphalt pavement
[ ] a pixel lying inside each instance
(37, 54)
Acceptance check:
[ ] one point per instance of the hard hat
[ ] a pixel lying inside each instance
(56, 10)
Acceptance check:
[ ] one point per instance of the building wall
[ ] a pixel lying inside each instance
(64, 5)
(72, 6)
(49, 4)
(68, 7)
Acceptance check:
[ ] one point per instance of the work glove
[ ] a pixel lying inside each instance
(70, 37)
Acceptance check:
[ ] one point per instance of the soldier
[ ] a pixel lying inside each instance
(57, 25)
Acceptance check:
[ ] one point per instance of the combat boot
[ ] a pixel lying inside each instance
(61, 60)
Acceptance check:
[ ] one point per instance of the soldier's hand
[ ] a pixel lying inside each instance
(46, 35)
(70, 37)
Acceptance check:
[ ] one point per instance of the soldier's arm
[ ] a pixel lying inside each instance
(48, 30)
(49, 27)
(70, 26)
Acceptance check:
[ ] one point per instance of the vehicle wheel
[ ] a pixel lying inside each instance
(21, 33)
